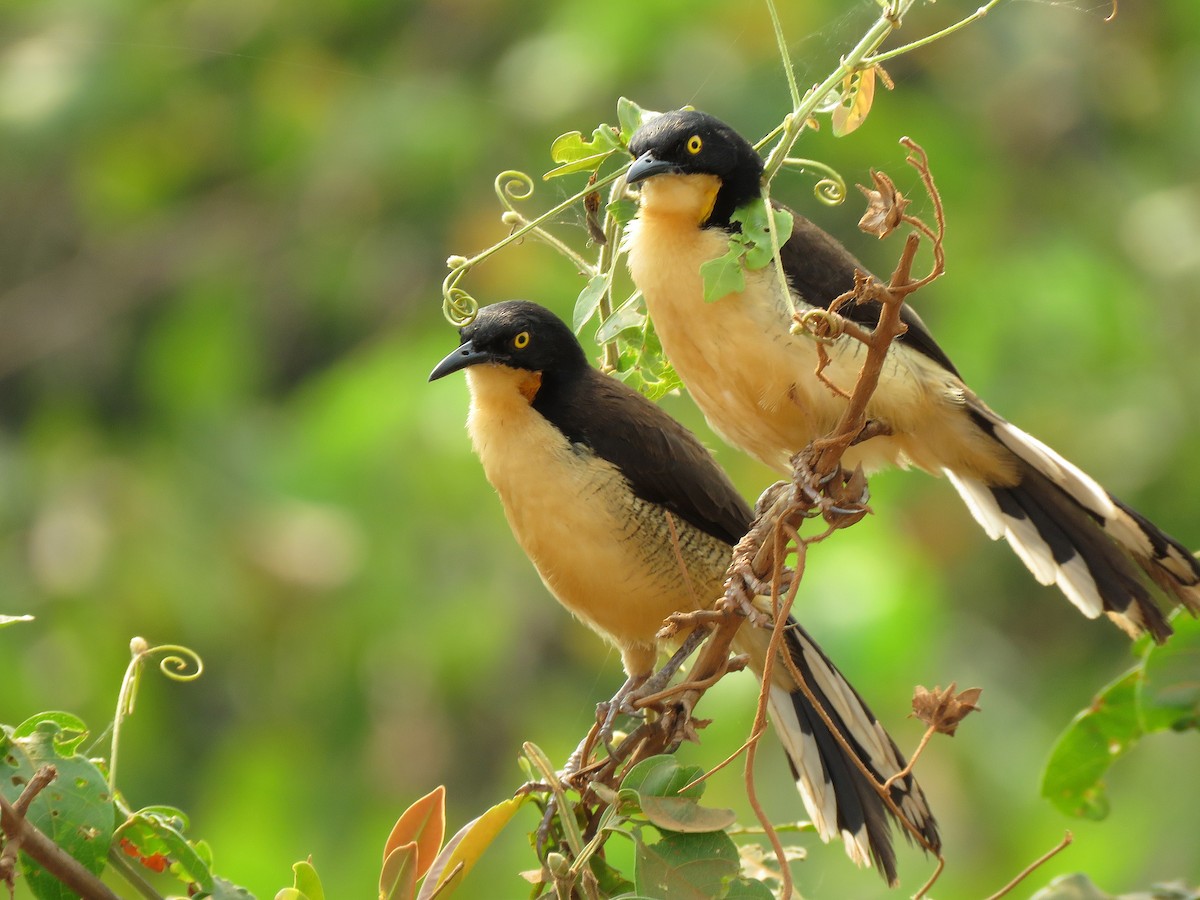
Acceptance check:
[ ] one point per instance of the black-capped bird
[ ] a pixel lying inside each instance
(628, 519)
(754, 381)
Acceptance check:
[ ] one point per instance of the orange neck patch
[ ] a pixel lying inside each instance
(530, 385)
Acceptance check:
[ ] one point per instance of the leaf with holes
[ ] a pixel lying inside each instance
(156, 833)
(1169, 695)
(858, 93)
(686, 866)
(75, 810)
(756, 235)
(1095, 739)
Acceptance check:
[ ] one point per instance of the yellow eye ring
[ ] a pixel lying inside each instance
(694, 144)
(521, 341)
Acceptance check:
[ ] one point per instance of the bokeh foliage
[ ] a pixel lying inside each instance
(223, 233)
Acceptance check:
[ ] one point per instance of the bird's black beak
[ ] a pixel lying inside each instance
(648, 165)
(464, 355)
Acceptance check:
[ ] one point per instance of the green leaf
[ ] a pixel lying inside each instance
(75, 810)
(611, 881)
(685, 815)
(1096, 738)
(723, 276)
(588, 301)
(663, 776)
(622, 210)
(622, 319)
(1169, 695)
(69, 730)
(1071, 887)
(9, 620)
(577, 155)
(686, 866)
(631, 117)
(398, 879)
(157, 831)
(753, 219)
(223, 889)
(743, 888)
(306, 884)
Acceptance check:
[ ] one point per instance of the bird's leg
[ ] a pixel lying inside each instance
(638, 686)
(607, 712)
(663, 676)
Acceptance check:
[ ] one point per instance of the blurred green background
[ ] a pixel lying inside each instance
(223, 227)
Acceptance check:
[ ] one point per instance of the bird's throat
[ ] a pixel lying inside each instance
(689, 197)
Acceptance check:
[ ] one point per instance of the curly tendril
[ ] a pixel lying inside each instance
(513, 186)
(178, 663)
(459, 307)
(830, 189)
(820, 324)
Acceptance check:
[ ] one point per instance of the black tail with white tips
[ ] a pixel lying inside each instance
(839, 797)
(1071, 532)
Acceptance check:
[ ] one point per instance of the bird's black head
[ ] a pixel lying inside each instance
(518, 334)
(688, 142)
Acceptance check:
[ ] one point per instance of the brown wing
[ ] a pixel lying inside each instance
(664, 462)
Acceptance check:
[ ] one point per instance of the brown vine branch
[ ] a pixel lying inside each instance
(1058, 848)
(41, 849)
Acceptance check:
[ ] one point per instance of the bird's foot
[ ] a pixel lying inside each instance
(841, 497)
(620, 704)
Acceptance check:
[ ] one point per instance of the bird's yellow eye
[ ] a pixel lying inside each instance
(694, 144)
(521, 341)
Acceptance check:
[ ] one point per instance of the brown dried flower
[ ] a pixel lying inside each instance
(943, 710)
(885, 206)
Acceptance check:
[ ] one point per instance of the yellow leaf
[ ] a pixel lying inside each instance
(463, 850)
(858, 92)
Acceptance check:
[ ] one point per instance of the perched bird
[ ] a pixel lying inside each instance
(754, 381)
(628, 519)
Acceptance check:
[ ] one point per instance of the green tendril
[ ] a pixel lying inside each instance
(459, 307)
(179, 664)
(830, 188)
(513, 185)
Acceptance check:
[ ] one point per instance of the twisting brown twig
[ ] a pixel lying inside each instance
(41, 849)
(1058, 848)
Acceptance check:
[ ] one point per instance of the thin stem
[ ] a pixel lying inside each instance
(450, 283)
(877, 58)
(888, 21)
(121, 865)
(788, 68)
(609, 254)
(1061, 846)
